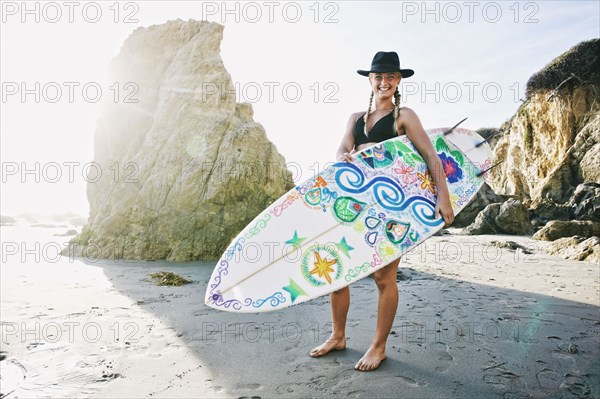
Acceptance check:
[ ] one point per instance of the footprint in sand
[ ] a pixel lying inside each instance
(577, 385)
(322, 363)
(287, 388)
(443, 356)
(501, 377)
(548, 380)
(410, 381)
(343, 381)
(445, 359)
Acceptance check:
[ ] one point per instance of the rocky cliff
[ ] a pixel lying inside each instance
(551, 145)
(551, 154)
(183, 166)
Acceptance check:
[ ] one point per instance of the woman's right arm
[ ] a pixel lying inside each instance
(347, 145)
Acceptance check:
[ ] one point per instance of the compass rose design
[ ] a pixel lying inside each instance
(321, 265)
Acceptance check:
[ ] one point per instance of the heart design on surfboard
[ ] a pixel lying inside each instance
(395, 231)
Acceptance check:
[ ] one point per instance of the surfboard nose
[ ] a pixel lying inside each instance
(210, 300)
(217, 301)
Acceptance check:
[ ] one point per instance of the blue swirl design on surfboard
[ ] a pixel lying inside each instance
(273, 300)
(237, 246)
(386, 191)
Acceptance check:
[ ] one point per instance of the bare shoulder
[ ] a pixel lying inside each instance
(406, 113)
(408, 122)
(356, 115)
(352, 120)
(406, 116)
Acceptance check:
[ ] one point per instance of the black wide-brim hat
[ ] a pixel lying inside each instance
(387, 62)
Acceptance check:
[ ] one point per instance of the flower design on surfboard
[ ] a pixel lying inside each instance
(451, 168)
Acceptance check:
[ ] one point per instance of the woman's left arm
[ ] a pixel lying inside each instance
(417, 135)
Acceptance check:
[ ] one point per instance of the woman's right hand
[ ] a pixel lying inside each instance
(346, 156)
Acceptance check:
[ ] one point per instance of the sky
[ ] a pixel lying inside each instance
(471, 59)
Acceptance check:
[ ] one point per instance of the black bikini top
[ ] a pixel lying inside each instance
(382, 130)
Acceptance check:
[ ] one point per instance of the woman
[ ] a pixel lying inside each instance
(363, 130)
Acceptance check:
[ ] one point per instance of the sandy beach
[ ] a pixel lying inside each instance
(323, 135)
(474, 320)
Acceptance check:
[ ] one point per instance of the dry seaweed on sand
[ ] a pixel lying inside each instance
(510, 245)
(169, 278)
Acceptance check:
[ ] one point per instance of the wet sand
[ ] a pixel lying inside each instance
(473, 320)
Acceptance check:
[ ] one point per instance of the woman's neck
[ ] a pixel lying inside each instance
(386, 105)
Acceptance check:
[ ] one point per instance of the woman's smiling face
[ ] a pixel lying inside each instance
(384, 83)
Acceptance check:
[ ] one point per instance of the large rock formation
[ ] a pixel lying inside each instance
(552, 143)
(184, 167)
(551, 148)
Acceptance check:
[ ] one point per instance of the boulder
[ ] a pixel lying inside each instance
(513, 218)
(547, 210)
(485, 222)
(510, 217)
(556, 229)
(576, 248)
(585, 202)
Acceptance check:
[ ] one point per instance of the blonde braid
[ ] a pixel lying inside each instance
(366, 116)
(396, 108)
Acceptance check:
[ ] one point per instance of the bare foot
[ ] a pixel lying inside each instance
(371, 360)
(331, 344)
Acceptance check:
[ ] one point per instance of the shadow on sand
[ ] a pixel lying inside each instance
(450, 338)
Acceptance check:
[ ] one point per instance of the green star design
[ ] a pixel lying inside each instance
(296, 241)
(344, 247)
(294, 289)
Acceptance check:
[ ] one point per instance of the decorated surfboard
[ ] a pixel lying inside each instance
(345, 223)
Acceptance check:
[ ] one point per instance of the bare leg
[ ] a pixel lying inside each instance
(386, 311)
(340, 303)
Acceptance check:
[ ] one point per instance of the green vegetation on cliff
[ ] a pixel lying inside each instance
(577, 66)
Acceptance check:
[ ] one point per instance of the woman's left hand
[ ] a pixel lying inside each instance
(444, 207)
